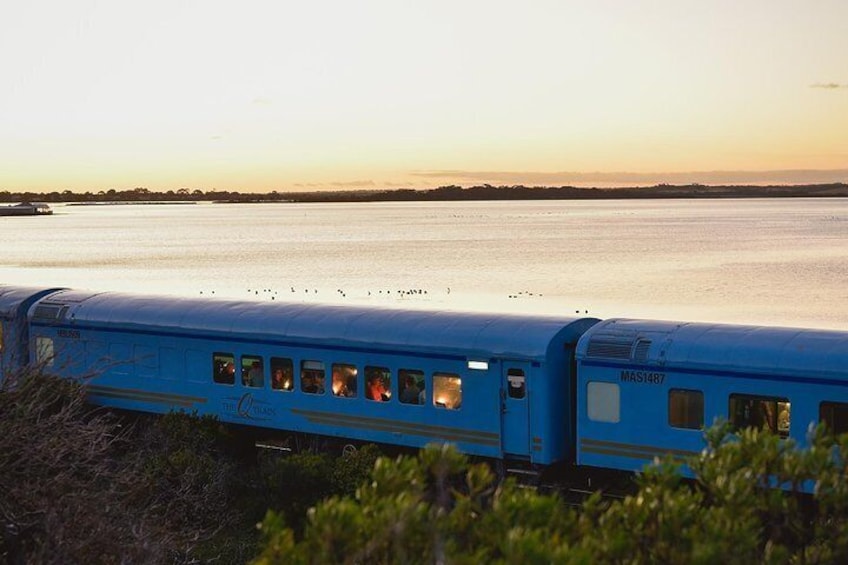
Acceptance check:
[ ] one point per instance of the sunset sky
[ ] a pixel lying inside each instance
(292, 95)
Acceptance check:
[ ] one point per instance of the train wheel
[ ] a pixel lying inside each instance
(348, 449)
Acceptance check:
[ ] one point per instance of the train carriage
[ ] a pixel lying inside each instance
(648, 388)
(498, 386)
(536, 390)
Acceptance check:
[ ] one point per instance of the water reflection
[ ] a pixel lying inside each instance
(752, 261)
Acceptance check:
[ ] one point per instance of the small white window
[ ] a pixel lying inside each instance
(603, 402)
(44, 351)
(516, 388)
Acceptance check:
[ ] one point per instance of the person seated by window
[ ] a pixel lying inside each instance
(409, 394)
(308, 384)
(350, 387)
(280, 382)
(230, 372)
(375, 389)
(344, 385)
(255, 377)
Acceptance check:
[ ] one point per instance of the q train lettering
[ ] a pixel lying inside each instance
(249, 407)
(644, 377)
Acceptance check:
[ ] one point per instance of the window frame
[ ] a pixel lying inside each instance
(219, 371)
(45, 350)
(602, 412)
(771, 420)
(513, 374)
(385, 376)
(341, 388)
(832, 405)
(280, 363)
(245, 374)
(419, 377)
(687, 408)
(443, 399)
(319, 368)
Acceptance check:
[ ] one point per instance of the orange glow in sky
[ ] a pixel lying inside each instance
(283, 95)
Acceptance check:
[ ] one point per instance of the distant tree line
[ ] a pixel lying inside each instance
(443, 193)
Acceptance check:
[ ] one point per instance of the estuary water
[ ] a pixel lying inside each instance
(762, 261)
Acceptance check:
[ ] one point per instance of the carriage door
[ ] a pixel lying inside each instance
(515, 413)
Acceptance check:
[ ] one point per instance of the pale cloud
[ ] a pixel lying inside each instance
(828, 85)
(352, 184)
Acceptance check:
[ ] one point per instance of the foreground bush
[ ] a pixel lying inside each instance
(80, 484)
(438, 508)
(63, 496)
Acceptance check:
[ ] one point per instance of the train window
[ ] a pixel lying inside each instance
(767, 412)
(344, 380)
(686, 409)
(282, 371)
(44, 351)
(412, 386)
(378, 384)
(224, 368)
(447, 391)
(312, 377)
(603, 402)
(517, 386)
(835, 416)
(252, 371)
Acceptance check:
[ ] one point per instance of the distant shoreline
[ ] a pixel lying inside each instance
(443, 193)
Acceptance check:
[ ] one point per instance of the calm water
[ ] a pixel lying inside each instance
(771, 261)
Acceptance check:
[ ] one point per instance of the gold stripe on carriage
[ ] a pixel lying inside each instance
(144, 396)
(411, 428)
(634, 451)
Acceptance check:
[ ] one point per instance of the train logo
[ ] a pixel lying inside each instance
(248, 407)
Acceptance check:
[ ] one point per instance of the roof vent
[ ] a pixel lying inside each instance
(609, 347)
(50, 312)
(640, 351)
(625, 346)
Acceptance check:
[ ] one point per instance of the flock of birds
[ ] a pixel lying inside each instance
(295, 293)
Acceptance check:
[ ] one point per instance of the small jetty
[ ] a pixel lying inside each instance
(26, 209)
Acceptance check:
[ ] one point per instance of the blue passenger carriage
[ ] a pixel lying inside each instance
(649, 388)
(498, 386)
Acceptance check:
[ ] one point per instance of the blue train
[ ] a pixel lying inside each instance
(530, 391)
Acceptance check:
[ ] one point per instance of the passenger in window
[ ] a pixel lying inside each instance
(309, 385)
(410, 392)
(422, 395)
(255, 378)
(783, 419)
(280, 381)
(350, 386)
(230, 372)
(343, 386)
(375, 389)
